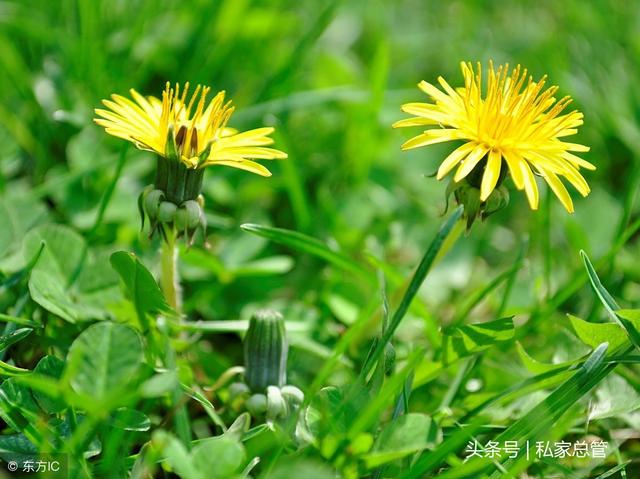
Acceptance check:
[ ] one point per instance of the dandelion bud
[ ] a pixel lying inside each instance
(166, 212)
(152, 203)
(276, 405)
(237, 390)
(192, 212)
(292, 395)
(257, 404)
(498, 199)
(265, 351)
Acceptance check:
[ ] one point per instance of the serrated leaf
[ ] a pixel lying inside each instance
(103, 359)
(129, 419)
(609, 303)
(140, 284)
(405, 435)
(473, 338)
(593, 334)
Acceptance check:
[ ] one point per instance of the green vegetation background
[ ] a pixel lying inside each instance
(330, 76)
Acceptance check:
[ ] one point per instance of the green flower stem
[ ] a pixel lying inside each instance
(416, 281)
(169, 280)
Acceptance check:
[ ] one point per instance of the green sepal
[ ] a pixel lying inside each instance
(193, 183)
(141, 198)
(204, 155)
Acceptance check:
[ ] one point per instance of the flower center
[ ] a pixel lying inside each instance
(187, 141)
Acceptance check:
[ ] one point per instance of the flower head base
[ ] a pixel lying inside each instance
(516, 125)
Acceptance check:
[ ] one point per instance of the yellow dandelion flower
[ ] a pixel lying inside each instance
(516, 124)
(188, 129)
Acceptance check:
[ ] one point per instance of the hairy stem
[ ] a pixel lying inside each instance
(169, 280)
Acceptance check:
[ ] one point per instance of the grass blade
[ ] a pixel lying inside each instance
(609, 303)
(307, 244)
(418, 278)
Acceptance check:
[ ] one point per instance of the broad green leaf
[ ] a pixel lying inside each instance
(18, 214)
(405, 435)
(307, 244)
(103, 359)
(632, 315)
(593, 334)
(159, 385)
(23, 272)
(614, 398)
(290, 468)
(473, 338)
(48, 290)
(18, 407)
(218, 458)
(141, 286)
(129, 419)
(52, 367)
(16, 447)
(62, 253)
(175, 454)
(51, 282)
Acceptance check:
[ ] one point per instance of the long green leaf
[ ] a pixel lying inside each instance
(310, 245)
(416, 281)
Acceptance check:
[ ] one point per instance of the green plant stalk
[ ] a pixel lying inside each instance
(416, 281)
(169, 280)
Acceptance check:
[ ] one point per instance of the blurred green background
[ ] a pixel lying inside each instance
(330, 76)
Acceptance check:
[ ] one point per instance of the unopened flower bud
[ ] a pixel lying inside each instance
(238, 389)
(276, 405)
(292, 395)
(166, 212)
(152, 203)
(257, 404)
(265, 351)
